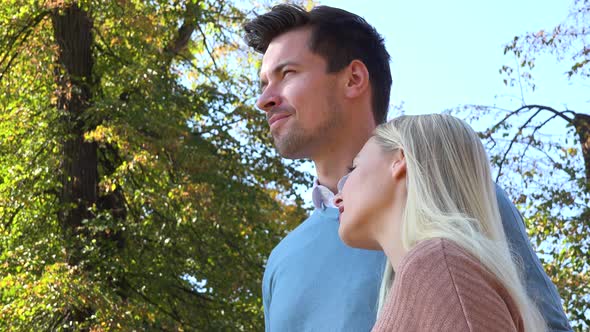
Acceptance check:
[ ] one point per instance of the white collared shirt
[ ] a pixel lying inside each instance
(321, 196)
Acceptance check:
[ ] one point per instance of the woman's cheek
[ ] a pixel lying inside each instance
(356, 211)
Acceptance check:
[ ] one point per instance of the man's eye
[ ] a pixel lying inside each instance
(287, 72)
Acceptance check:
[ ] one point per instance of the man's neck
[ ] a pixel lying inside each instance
(334, 162)
(329, 178)
(334, 155)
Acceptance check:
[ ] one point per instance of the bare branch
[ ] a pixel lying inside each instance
(518, 133)
(546, 154)
(207, 47)
(540, 108)
(532, 136)
(519, 79)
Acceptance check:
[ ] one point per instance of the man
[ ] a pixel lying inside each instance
(325, 83)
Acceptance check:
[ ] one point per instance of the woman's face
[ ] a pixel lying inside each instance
(366, 198)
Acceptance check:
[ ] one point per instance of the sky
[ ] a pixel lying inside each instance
(448, 53)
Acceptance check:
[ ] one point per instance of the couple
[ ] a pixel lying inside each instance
(418, 237)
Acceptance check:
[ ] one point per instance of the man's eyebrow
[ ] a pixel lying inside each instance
(276, 70)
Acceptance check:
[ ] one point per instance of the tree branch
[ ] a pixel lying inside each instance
(185, 31)
(540, 108)
(581, 123)
(108, 50)
(26, 30)
(207, 47)
(512, 143)
(532, 136)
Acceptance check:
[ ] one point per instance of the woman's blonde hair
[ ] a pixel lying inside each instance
(451, 195)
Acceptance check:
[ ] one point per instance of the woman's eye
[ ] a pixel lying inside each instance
(351, 168)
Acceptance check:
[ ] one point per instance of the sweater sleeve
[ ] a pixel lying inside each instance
(539, 286)
(267, 280)
(439, 287)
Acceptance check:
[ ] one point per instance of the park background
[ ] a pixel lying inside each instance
(139, 189)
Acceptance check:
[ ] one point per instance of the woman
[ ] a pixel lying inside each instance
(421, 191)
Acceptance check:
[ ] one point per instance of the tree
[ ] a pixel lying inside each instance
(138, 190)
(542, 157)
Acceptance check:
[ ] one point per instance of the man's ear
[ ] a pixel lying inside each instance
(398, 166)
(357, 79)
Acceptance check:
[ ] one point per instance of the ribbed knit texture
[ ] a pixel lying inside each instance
(439, 286)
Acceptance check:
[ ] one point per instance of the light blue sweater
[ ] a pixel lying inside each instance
(314, 282)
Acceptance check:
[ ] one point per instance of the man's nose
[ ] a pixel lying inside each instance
(267, 101)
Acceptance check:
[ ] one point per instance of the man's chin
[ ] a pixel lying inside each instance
(289, 154)
(289, 150)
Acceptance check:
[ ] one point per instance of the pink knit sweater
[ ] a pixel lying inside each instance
(441, 287)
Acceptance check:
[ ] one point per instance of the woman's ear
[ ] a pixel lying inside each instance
(357, 79)
(399, 167)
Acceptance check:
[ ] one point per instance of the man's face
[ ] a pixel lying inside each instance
(301, 100)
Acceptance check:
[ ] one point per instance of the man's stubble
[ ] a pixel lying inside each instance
(300, 143)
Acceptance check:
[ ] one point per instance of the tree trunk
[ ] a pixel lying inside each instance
(79, 170)
(582, 125)
(72, 32)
